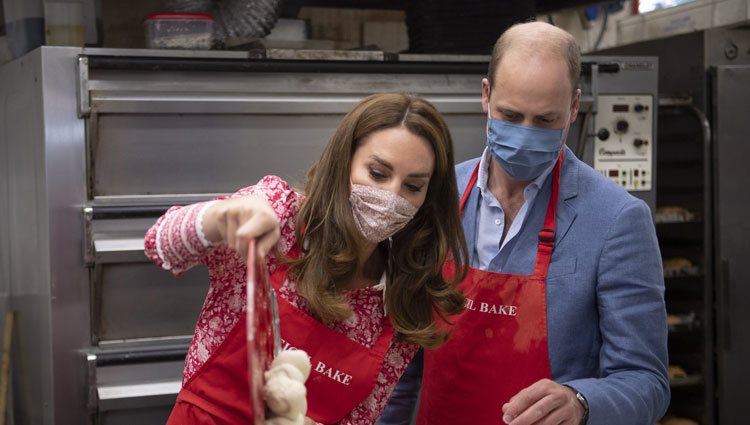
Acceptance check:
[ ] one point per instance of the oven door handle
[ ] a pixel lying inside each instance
(122, 381)
(124, 249)
(115, 247)
(137, 395)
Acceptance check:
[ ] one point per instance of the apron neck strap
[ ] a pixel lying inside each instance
(469, 188)
(547, 235)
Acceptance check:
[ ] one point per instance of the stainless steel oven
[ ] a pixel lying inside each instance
(97, 143)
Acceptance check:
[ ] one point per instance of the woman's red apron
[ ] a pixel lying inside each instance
(343, 372)
(498, 345)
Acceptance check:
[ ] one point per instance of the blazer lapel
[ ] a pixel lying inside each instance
(566, 214)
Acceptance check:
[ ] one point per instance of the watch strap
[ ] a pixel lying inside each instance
(585, 403)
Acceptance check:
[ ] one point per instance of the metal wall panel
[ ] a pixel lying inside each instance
(731, 106)
(63, 160)
(24, 233)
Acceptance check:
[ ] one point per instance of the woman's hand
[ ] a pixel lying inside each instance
(236, 221)
(309, 421)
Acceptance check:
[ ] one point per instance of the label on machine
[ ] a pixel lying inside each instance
(623, 146)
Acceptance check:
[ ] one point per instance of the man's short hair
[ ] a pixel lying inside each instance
(565, 45)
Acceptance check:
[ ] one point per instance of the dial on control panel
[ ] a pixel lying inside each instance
(621, 126)
(602, 134)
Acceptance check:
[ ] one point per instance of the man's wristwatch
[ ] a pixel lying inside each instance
(581, 399)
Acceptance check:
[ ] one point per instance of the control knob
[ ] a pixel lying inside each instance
(621, 126)
(602, 134)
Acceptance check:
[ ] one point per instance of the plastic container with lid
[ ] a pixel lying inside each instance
(179, 31)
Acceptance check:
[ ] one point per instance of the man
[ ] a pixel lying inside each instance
(565, 320)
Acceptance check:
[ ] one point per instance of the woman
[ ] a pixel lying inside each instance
(379, 211)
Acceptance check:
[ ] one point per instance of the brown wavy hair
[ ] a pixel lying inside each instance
(417, 292)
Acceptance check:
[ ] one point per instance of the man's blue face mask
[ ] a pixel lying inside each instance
(523, 152)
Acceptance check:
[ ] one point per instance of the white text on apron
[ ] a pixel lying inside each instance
(332, 373)
(499, 309)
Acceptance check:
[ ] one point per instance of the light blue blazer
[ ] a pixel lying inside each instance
(606, 318)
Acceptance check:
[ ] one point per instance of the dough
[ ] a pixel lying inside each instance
(676, 372)
(677, 263)
(285, 392)
(286, 397)
(280, 420)
(672, 215)
(672, 320)
(285, 370)
(679, 421)
(296, 358)
(672, 210)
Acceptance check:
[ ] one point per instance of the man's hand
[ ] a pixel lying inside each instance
(544, 403)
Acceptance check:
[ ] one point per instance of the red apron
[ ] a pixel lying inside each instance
(498, 345)
(219, 392)
(343, 374)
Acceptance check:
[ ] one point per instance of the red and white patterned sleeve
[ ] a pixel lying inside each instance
(176, 241)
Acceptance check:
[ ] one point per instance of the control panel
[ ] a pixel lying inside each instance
(623, 141)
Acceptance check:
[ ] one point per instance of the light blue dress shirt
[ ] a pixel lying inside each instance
(491, 219)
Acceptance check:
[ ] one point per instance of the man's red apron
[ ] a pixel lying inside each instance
(343, 372)
(498, 345)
